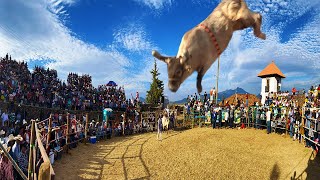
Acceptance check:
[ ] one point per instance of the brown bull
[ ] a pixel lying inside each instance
(201, 46)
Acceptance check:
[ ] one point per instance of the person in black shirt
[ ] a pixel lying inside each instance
(205, 96)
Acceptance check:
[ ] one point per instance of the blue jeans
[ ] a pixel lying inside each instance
(291, 129)
(306, 133)
(214, 123)
(269, 126)
(231, 122)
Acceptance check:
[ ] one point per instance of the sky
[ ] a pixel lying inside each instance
(113, 40)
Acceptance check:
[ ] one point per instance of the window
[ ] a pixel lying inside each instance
(267, 86)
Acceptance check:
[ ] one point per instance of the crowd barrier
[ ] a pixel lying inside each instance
(307, 126)
(40, 141)
(256, 117)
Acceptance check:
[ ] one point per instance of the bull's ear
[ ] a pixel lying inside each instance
(157, 55)
(184, 58)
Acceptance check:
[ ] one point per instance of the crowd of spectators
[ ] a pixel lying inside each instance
(41, 87)
(282, 111)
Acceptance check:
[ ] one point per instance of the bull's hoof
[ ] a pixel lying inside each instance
(262, 36)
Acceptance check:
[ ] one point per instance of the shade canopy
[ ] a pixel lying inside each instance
(112, 83)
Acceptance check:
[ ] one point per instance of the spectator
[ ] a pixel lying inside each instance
(23, 159)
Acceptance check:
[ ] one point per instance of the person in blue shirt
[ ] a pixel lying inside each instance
(213, 118)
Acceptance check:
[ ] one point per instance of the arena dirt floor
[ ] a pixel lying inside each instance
(199, 153)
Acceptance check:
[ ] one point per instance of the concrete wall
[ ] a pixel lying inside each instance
(273, 86)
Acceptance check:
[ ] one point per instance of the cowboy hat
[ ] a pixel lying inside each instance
(2, 132)
(24, 122)
(19, 138)
(10, 138)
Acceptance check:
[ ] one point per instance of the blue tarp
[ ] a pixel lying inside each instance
(111, 83)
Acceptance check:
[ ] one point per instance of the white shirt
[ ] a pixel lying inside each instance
(4, 118)
(226, 116)
(268, 114)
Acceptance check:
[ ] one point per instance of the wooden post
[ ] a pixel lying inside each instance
(49, 132)
(86, 128)
(67, 134)
(286, 118)
(184, 117)
(32, 143)
(44, 171)
(247, 117)
(123, 120)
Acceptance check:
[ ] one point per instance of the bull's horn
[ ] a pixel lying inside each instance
(157, 55)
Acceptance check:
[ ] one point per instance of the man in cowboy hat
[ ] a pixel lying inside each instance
(14, 142)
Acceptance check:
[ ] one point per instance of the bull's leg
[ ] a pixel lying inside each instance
(201, 73)
(199, 79)
(257, 26)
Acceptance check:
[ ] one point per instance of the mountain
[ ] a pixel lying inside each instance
(230, 92)
(224, 94)
(142, 99)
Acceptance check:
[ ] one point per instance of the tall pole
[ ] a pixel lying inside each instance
(218, 80)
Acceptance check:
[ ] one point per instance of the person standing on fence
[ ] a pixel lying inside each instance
(268, 115)
(159, 134)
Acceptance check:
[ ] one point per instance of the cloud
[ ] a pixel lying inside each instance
(133, 38)
(155, 4)
(36, 33)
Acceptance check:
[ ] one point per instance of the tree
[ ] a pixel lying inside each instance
(155, 92)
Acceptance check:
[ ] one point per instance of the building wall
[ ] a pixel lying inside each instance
(273, 87)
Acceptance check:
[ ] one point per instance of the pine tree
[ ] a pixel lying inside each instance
(156, 88)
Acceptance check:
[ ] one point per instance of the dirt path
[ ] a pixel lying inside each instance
(200, 153)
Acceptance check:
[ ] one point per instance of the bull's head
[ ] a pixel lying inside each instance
(178, 69)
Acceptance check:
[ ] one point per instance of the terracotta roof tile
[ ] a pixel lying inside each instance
(271, 69)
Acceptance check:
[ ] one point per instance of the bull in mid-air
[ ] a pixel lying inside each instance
(201, 45)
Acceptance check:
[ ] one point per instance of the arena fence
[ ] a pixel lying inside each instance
(40, 141)
(310, 124)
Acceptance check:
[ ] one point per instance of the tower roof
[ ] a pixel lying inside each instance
(271, 69)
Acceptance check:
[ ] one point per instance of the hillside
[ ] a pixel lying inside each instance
(242, 97)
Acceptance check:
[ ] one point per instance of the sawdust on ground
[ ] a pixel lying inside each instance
(199, 153)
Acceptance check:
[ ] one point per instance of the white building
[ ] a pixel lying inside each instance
(270, 80)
